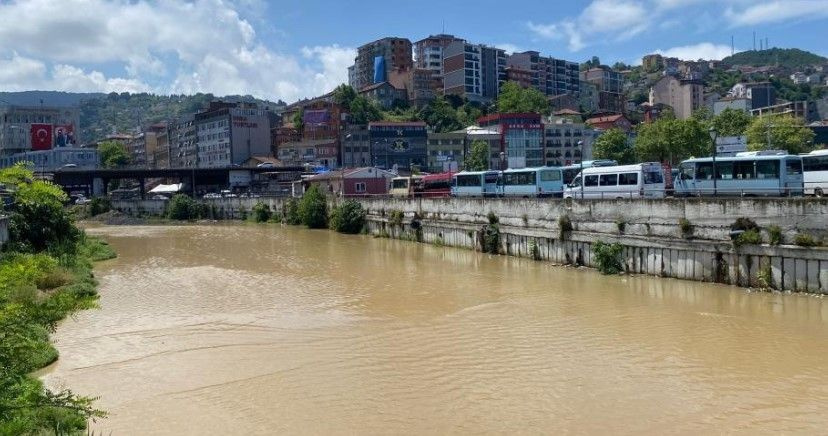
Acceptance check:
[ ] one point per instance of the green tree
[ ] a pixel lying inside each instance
(514, 98)
(731, 122)
(672, 140)
(182, 207)
(313, 208)
(364, 110)
(348, 217)
(782, 131)
(299, 120)
(614, 144)
(441, 116)
(478, 158)
(113, 154)
(344, 95)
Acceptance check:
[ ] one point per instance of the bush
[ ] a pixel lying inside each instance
(491, 239)
(748, 237)
(744, 224)
(261, 212)
(534, 250)
(290, 210)
(348, 217)
(492, 218)
(564, 226)
(608, 257)
(775, 235)
(182, 207)
(395, 218)
(621, 225)
(685, 227)
(99, 205)
(313, 209)
(806, 240)
(39, 222)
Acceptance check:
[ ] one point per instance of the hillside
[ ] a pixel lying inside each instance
(784, 57)
(50, 98)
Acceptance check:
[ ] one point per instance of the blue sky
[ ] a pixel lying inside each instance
(290, 49)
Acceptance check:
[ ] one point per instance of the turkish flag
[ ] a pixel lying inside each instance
(41, 136)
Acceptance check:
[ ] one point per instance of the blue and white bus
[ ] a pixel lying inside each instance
(815, 167)
(766, 173)
(570, 171)
(532, 182)
(475, 184)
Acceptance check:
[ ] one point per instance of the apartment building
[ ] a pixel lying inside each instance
(550, 76)
(356, 147)
(473, 71)
(27, 128)
(446, 151)
(182, 139)
(376, 60)
(428, 52)
(610, 88)
(567, 142)
(684, 96)
(231, 133)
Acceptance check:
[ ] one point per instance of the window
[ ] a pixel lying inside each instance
(793, 166)
(744, 170)
(467, 180)
(628, 179)
(653, 177)
(524, 178)
(591, 181)
(609, 180)
(704, 171)
(767, 169)
(550, 176)
(815, 163)
(359, 187)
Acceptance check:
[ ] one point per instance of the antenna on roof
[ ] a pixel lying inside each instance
(754, 40)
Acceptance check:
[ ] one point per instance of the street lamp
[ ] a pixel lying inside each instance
(713, 133)
(502, 160)
(768, 133)
(581, 163)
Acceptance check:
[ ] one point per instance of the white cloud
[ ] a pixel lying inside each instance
(620, 19)
(776, 11)
(704, 50)
(196, 46)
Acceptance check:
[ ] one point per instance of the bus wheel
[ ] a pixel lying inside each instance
(818, 192)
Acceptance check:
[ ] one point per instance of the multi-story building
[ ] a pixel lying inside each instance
(376, 60)
(400, 145)
(156, 146)
(182, 138)
(741, 104)
(385, 94)
(446, 151)
(493, 140)
(420, 85)
(314, 141)
(473, 71)
(136, 148)
(428, 52)
(652, 62)
(521, 138)
(27, 128)
(356, 147)
(549, 75)
(231, 133)
(51, 160)
(588, 98)
(567, 142)
(524, 78)
(610, 88)
(760, 94)
(684, 96)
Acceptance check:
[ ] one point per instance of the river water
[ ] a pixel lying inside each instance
(244, 329)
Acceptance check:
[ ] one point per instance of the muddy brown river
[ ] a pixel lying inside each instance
(246, 329)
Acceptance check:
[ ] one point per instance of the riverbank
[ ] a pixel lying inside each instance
(692, 239)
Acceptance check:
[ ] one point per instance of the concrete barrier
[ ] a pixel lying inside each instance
(648, 230)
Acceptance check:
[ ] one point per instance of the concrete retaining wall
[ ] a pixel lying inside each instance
(652, 240)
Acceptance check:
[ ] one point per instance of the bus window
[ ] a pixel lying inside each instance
(704, 171)
(653, 177)
(399, 183)
(744, 170)
(815, 163)
(724, 170)
(466, 181)
(793, 166)
(687, 171)
(609, 180)
(550, 176)
(491, 178)
(767, 169)
(628, 179)
(591, 181)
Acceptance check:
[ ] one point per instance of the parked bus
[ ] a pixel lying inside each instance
(570, 171)
(436, 185)
(475, 184)
(645, 180)
(815, 172)
(405, 186)
(532, 182)
(767, 173)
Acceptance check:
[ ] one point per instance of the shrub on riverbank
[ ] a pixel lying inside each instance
(261, 212)
(313, 209)
(608, 257)
(182, 207)
(348, 217)
(45, 275)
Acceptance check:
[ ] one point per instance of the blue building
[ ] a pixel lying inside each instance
(398, 144)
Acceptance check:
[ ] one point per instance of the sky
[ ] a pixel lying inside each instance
(291, 49)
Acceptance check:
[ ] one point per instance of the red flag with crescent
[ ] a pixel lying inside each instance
(41, 136)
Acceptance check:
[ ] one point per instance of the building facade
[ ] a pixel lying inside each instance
(610, 88)
(48, 161)
(446, 151)
(32, 128)
(356, 147)
(567, 142)
(229, 134)
(473, 71)
(740, 104)
(684, 96)
(401, 145)
(385, 94)
(376, 60)
(550, 76)
(182, 139)
(521, 138)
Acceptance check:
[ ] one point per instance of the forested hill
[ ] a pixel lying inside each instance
(103, 114)
(784, 57)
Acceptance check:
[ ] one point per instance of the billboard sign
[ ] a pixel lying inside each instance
(730, 145)
(64, 136)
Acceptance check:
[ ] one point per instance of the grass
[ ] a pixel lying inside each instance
(806, 240)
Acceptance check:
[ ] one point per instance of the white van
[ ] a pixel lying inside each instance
(645, 180)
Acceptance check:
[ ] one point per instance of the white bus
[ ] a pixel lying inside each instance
(767, 173)
(475, 184)
(532, 182)
(815, 170)
(645, 180)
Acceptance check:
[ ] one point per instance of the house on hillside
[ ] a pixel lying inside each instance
(610, 122)
(354, 182)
